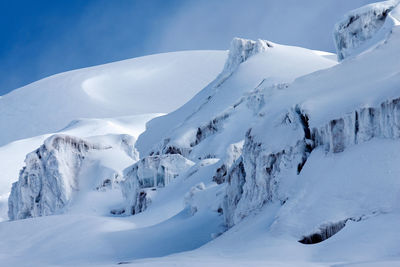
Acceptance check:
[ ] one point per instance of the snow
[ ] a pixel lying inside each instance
(112, 90)
(61, 168)
(273, 67)
(363, 28)
(13, 155)
(150, 172)
(166, 227)
(284, 144)
(267, 238)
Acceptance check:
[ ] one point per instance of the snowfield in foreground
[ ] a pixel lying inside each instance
(287, 158)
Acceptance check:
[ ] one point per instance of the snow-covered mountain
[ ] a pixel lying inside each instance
(116, 89)
(287, 158)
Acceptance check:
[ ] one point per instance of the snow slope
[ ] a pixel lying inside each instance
(267, 238)
(250, 67)
(286, 159)
(111, 90)
(166, 227)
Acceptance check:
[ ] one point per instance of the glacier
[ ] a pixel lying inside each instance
(287, 157)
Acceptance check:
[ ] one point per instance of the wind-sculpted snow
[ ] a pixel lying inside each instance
(359, 29)
(197, 130)
(48, 181)
(150, 172)
(151, 84)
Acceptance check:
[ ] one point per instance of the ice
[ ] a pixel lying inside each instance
(362, 28)
(57, 171)
(150, 172)
(286, 158)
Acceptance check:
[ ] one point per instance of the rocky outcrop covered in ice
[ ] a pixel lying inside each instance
(150, 172)
(362, 28)
(48, 181)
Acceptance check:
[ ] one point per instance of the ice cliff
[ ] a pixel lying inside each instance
(256, 176)
(49, 179)
(56, 171)
(147, 175)
(363, 28)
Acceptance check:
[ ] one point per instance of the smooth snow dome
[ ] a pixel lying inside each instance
(151, 84)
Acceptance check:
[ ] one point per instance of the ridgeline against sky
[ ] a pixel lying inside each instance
(42, 38)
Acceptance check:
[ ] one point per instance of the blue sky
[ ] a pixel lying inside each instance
(44, 37)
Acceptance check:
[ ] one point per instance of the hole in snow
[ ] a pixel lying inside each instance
(324, 232)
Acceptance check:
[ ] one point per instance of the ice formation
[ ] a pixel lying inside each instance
(284, 148)
(150, 172)
(359, 29)
(241, 50)
(49, 180)
(62, 167)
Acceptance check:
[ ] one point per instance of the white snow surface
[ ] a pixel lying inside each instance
(116, 89)
(285, 145)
